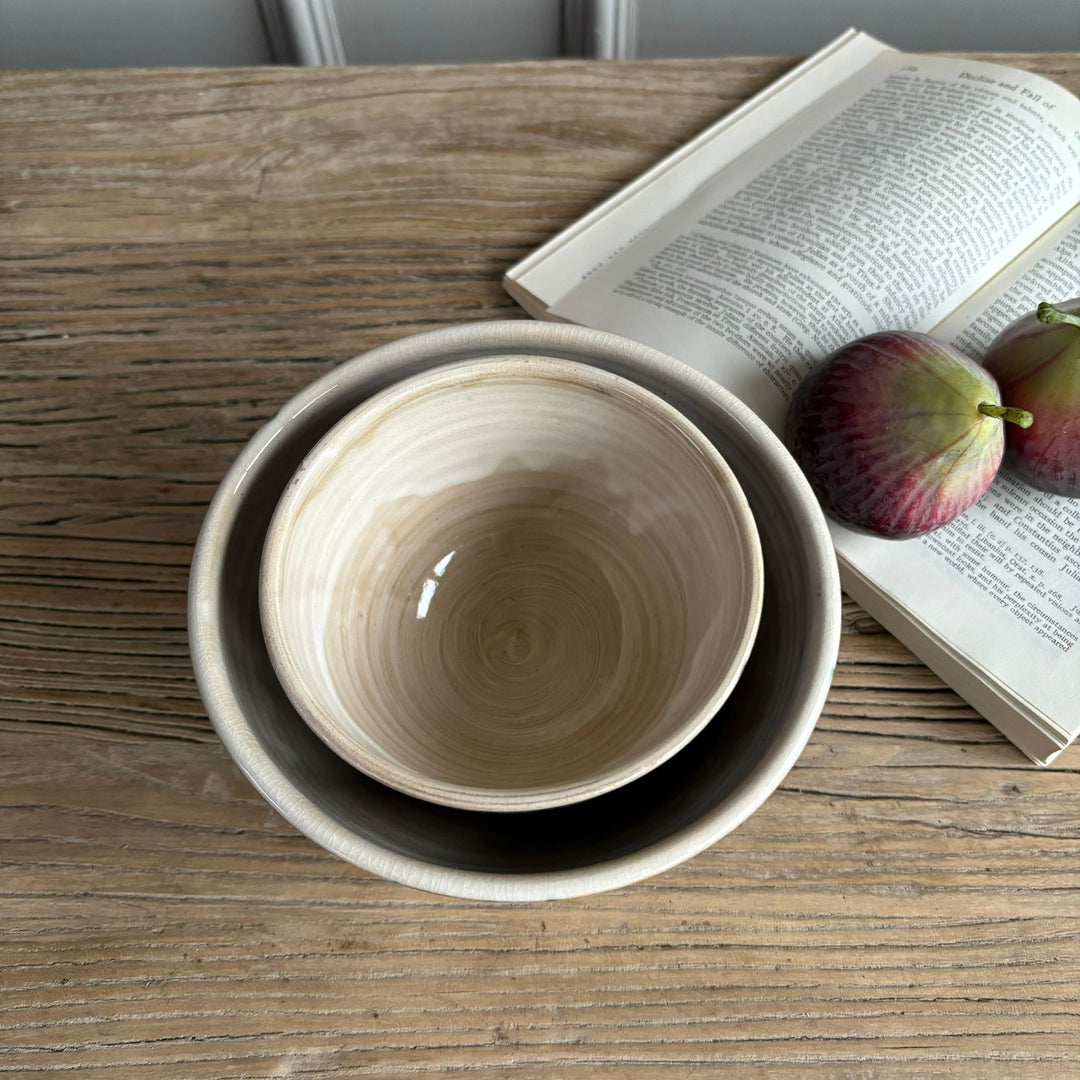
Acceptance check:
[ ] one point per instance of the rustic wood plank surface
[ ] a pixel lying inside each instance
(181, 251)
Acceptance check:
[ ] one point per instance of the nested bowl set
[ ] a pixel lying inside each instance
(514, 611)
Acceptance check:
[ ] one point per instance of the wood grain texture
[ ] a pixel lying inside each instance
(180, 252)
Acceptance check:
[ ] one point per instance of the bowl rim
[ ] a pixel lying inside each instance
(390, 360)
(463, 375)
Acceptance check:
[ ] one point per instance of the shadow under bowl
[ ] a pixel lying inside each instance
(656, 821)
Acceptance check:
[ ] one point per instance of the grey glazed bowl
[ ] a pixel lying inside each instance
(664, 817)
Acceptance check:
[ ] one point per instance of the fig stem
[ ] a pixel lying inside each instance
(1047, 313)
(1006, 412)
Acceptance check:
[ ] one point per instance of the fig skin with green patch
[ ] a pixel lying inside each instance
(1036, 362)
(898, 433)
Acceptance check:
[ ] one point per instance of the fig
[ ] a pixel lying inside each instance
(1036, 362)
(898, 433)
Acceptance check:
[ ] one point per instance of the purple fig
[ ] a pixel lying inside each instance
(1036, 362)
(898, 433)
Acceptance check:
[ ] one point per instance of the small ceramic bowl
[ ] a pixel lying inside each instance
(510, 584)
(668, 815)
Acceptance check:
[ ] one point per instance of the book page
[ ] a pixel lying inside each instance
(549, 272)
(1002, 581)
(911, 184)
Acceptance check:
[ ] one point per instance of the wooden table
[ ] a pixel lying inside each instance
(181, 252)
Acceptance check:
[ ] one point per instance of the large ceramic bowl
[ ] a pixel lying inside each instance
(664, 817)
(511, 584)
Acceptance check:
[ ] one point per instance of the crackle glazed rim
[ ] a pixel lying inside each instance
(276, 780)
(596, 388)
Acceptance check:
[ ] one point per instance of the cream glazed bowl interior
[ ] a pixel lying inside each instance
(510, 584)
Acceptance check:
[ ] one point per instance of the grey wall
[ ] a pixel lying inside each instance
(105, 33)
(741, 27)
(437, 31)
(111, 33)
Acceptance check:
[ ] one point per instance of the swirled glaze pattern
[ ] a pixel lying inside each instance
(511, 586)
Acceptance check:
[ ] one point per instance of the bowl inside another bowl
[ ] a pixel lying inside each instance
(511, 584)
(640, 829)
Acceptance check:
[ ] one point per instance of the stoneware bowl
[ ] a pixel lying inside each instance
(511, 584)
(641, 828)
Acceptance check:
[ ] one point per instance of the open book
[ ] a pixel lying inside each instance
(868, 190)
